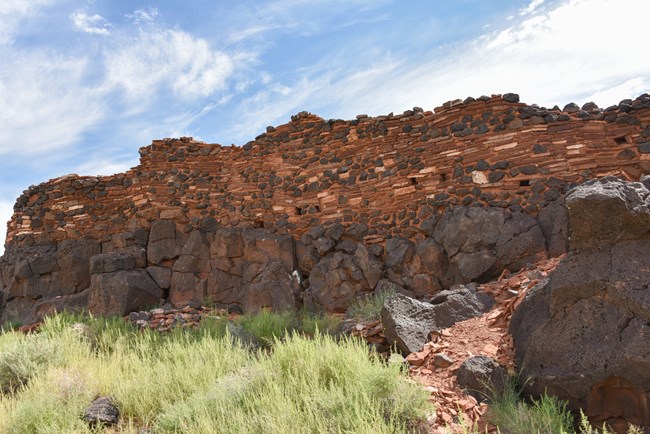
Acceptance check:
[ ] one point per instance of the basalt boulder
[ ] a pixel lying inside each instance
(481, 242)
(584, 334)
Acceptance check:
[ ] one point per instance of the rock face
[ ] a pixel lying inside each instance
(408, 322)
(482, 242)
(121, 292)
(588, 326)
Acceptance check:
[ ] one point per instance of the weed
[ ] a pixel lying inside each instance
(369, 308)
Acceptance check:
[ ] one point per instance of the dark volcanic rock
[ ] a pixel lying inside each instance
(35, 278)
(554, 221)
(482, 242)
(408, 322)
(590, 322)
(481, 377)
(121, 292)
(102, 411)
(253, 269)
(606, 211)
(338, 279)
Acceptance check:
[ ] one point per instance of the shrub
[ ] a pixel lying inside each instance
(24, 357)
(369, 308)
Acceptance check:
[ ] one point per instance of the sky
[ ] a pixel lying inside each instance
(85, 83)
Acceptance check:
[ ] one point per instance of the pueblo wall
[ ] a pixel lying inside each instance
(388, 172)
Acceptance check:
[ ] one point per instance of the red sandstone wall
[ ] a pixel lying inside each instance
(389, 172)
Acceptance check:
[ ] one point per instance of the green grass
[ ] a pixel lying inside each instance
(369, 308)
(201, 380)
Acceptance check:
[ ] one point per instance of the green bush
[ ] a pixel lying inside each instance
(369, 308)
(23, 357)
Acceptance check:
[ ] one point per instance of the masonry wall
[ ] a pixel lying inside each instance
(389, 172)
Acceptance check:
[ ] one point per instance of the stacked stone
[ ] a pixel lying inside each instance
(387, 172)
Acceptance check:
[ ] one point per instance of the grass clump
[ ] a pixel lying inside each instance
(369, 308)
(513, 415)
(304, 385)
(202, 380)
(22, 357)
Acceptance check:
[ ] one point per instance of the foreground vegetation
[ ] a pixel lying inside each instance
(203, 380)
(268, 373)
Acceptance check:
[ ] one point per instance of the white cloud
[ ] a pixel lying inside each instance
(532, 6)
(46, 106)
(13, 12)
(159, 59)
(142, 16)
(551, 57)
(91, 23)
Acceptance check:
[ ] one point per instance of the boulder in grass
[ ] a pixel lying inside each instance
(102, 411)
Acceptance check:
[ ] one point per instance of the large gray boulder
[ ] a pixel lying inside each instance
(190, 271)
(554, 221)
(421, 268)
(337, 280)
(408, 323)
(121, 292)
(33, 275)
(165, 242)
(590, 322)
(481, 242)
(482, 377)
(607, 211)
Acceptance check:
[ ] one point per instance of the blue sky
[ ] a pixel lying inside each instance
(85, 83)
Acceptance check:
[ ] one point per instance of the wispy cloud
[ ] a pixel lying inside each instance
(160, 59)
(46, 105)
(91, 23)
(536, 57)
(143, 16)
(532, 6)
(13, 13)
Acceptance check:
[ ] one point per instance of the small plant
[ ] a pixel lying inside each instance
(269, 326)
(312, 323)
(9, 326)
(369, 308)
(514, 416)
(586, 428)
(25, 357)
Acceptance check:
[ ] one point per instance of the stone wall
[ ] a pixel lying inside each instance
(388, 172)
(318, 213)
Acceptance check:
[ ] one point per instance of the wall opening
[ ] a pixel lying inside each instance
(414, 181)
(524, 183)
(443, 177)
(620, 140)
(258, 224)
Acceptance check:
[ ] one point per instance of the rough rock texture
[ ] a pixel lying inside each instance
(102, 411)
(481, 377)
(338, 279)
(253, 269)
(408, 322)
(554, 221)
(482, 242)
(590, 322)
(121, 292)
(31, 274)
